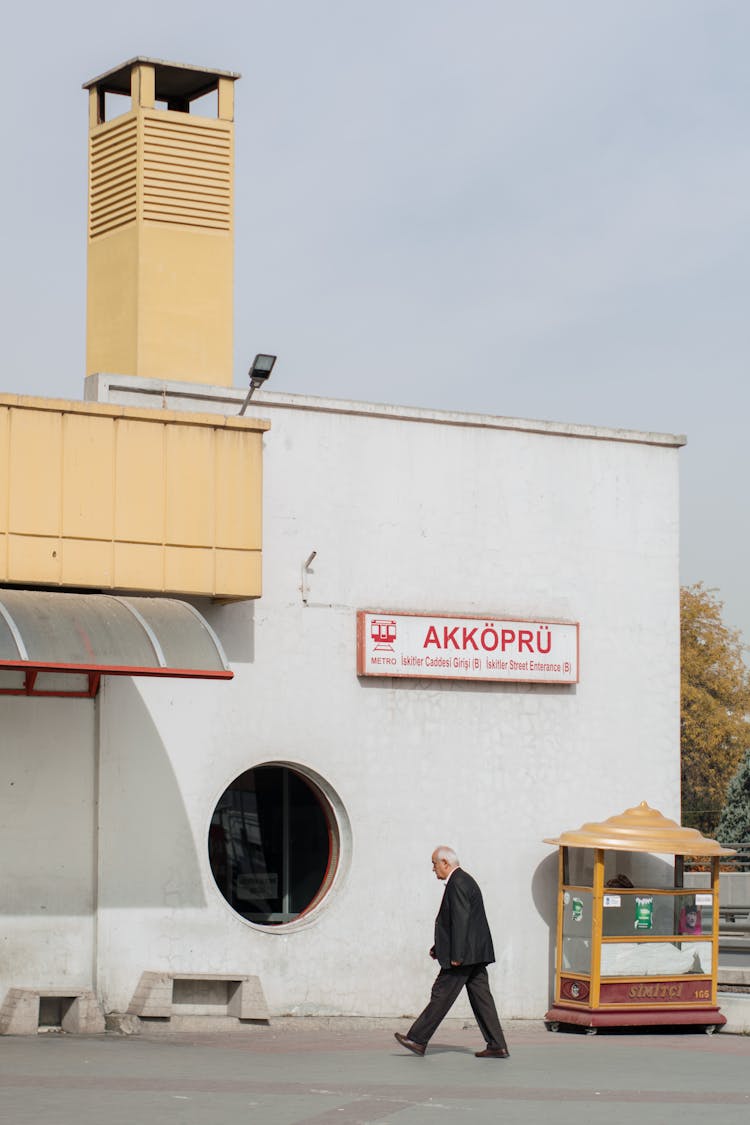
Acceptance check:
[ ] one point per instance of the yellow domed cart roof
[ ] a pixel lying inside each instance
(641, 829)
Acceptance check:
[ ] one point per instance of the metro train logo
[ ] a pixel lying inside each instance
(383, 633)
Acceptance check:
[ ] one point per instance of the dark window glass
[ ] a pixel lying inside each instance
(272, 845)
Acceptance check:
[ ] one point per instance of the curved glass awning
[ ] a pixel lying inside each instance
(54, 643)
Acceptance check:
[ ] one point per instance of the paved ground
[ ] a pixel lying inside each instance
(303, 1074)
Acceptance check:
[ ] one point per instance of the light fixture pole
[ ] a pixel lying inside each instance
(260, 369)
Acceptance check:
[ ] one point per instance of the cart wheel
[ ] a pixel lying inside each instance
(591, 1030)
(552, 1025)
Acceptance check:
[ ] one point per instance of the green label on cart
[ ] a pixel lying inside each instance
(644, 913)
(576, 910)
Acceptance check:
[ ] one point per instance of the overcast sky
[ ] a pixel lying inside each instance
(537, 209)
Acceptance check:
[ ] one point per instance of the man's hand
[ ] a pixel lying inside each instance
(455, 964)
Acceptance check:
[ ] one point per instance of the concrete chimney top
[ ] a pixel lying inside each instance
(174, 80)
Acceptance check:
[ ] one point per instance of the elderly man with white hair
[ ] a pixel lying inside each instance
(463, 949)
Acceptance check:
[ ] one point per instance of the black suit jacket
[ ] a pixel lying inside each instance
(461, 929)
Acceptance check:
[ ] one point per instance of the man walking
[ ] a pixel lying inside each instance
(463, 949)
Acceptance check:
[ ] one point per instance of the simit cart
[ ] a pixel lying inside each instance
(634, 946)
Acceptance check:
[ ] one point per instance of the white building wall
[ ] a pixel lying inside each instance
(405, 513)
(47, 843)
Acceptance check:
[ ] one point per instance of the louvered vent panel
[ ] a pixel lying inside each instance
(187, 173)
(112, 172)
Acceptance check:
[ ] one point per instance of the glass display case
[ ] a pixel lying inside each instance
(634, 946)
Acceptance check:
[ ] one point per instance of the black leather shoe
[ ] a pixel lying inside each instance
(493, 1053)
(415, 1048)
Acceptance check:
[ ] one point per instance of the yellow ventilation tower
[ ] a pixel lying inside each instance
(160, 236)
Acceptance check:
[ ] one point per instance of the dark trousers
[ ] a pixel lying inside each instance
(445, 992)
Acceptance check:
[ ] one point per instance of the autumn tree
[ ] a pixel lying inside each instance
(715, 691)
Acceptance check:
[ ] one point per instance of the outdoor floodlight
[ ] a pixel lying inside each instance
(260, 369)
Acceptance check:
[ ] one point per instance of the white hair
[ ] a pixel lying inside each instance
(443, 852)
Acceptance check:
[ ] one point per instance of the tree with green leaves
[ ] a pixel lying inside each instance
(734, 825)
(715, 700)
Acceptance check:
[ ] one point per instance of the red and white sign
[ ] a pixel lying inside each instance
(466, 648)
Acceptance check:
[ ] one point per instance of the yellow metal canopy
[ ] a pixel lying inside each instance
(641, 829)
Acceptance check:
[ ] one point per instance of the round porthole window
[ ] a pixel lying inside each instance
(273, 845)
